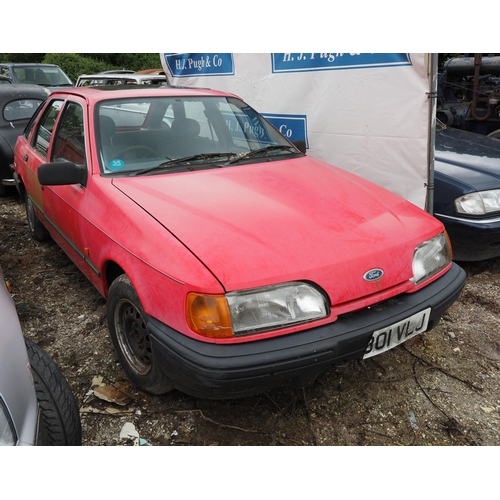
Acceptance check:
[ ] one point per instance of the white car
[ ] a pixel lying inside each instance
(37, 406)
(120, 79)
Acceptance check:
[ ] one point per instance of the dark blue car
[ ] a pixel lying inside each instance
(17, 105)
(467, 192)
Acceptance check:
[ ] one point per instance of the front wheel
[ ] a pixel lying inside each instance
(59, 416)
(131, 339)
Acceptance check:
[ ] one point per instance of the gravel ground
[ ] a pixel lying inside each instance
(438, 389)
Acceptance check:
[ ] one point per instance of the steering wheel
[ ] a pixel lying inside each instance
(137, 152)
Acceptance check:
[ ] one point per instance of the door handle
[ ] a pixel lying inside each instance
(25, 158)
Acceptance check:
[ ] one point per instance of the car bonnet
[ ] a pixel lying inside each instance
(255, 225)
(471, 158)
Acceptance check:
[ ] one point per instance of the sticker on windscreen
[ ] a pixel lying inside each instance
(116, 164)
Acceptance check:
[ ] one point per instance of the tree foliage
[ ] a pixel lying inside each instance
(75, 65)
(21, 58)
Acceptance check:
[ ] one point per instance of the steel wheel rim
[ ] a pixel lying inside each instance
(133, 337)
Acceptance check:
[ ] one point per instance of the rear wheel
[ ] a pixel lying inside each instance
(59, 416)
(37, 229)
(131, 339)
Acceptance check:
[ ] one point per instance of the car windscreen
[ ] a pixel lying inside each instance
(137, 134)
(41, 75)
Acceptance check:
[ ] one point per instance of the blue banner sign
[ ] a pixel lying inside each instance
(293, 127)
(186, 65)
(325, 61)
(246, 126)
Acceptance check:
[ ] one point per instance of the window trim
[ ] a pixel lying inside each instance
(34, 141)
(58, 125)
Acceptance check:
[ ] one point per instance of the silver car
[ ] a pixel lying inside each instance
(37, 406)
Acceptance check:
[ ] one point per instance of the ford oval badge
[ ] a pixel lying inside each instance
(373, 274)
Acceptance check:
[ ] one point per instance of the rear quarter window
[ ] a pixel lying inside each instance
(44, 131)
(21, 109)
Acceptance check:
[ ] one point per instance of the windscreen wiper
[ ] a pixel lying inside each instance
(185, 159)
(256, 152)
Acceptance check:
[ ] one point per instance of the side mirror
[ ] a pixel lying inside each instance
(62, 173)
(300, 145)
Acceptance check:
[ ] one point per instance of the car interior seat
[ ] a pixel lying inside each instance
(185, 128)
(185, 138)
(107, 130)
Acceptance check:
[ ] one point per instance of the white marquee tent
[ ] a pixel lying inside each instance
(370, 114)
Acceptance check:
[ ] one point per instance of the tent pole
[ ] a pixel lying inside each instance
(433, 66)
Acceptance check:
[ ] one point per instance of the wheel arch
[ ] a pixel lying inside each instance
(19, 183)
(112, 270)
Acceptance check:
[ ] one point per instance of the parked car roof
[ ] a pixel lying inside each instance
(120, 79)
(154, 71)
(117, 71)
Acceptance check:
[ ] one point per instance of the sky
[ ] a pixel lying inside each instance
(256, 26)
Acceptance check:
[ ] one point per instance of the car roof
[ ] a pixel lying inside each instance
(153, 71)
(26, 64)
(122, 76)
(116, 71)
(105, 92)
(23, 90)
(103, 76)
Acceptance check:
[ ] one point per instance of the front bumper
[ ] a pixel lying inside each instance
(473, 239)
(6, 178)
(222, 371)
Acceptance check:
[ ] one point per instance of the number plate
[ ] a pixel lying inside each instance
(393, 335)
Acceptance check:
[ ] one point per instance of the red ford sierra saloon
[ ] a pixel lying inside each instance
(232, 263)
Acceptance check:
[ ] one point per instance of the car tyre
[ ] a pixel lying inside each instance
(127, 324)
(59, 415)
(37, 229)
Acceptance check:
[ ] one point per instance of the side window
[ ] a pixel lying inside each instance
(44, 132)
(69, 141)
(20, 109)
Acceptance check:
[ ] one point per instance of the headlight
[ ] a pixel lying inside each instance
(430, 257)
(7, 433)
(480, 203)
(256, 310)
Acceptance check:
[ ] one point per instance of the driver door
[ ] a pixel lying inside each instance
(63, 205)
